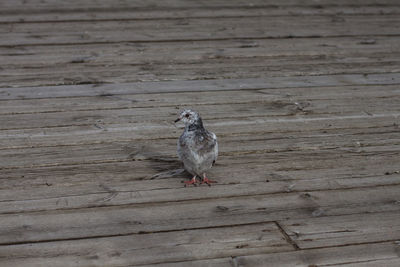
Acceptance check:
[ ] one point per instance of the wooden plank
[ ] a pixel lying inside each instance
(383, 254)
(260, 109)
(208, 10)
(358, 255)
(193, 29)
(383, 262)
(90, 195)
(291, 165)
(392, 262)
(197, 85)
(332, 170)
(205, 58)
(192, 214)
(89, 186)
(175, 52)
(203, 69)
(96, 133)
(74, 64)
(379, 254)
(150, 248)
(341, 230)
(74, 5)
(287, 166)
(272, 97)
(166, 148)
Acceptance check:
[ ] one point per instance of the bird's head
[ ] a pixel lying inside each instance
(188, 117)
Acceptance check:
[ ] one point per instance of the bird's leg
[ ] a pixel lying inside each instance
(207, 181)
(192, 181)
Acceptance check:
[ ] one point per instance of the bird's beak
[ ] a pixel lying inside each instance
(178, 119)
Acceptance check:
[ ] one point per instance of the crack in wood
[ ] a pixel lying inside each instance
(286, 236)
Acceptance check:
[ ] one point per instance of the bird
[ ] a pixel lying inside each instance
(197, 147)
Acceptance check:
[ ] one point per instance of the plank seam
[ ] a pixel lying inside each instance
(197, 17)
(362, 261)
(203, 39)
(235, 264)
(131, 233)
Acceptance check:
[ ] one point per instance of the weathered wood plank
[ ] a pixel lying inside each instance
(216, 69)
(288, 165)
(93, 4)
(194, 29)
(341, 230)
(285, 169)
(272, 97)
(91, 68)
(392, 262)
(176, 52)
(296, 164)
(209, 59)
(287, 106)
(137, 133)
(165, 148)
(61, 197)
(379, 254)
(20, 5)
(74, 181)
(137, 13)
(198, 85)
(154, 217)
(150, 248)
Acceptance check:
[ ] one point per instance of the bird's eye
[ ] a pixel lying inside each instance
(187, 115)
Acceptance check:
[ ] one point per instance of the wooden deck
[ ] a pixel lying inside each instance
(304, 97)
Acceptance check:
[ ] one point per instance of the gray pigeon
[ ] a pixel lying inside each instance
(197, 147)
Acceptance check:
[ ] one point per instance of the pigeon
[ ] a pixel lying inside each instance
(197, 147)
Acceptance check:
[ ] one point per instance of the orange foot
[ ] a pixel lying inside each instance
(207, 181)
(193, 181)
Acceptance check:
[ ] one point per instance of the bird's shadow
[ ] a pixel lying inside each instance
(164, 165)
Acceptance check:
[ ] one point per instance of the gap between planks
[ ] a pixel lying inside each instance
(199, 40)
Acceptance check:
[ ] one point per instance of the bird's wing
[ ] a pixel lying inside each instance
(208, 146)
(214, 140)
(181, 147)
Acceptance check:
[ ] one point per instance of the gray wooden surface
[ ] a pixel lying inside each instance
(303, 95)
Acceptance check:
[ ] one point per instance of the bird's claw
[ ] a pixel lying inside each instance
(193, 181)
(208, 181)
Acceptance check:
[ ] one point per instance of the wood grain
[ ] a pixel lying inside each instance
(27, 227)
(127, 62)
(194, 29)
(303, 96)
(382, 254)
(331, 231)
(151, 248)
